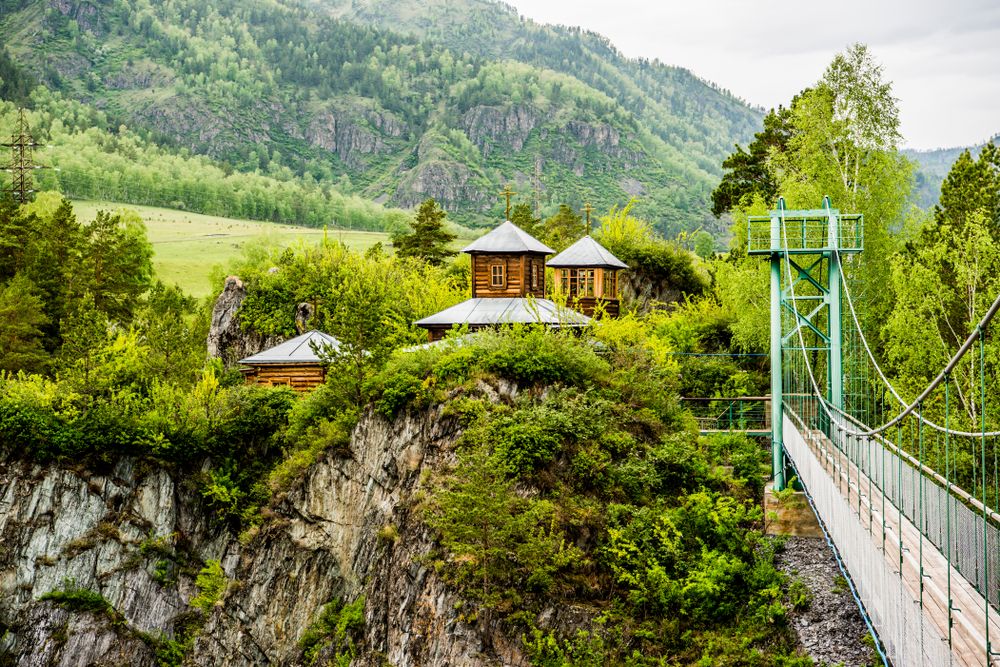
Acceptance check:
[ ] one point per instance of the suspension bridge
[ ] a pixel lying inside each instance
(906, 490)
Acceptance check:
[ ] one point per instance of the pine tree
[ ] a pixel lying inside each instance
(563, 228)
(21, 317)
(429, 240)
(524, 217)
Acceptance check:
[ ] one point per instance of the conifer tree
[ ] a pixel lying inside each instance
(429, 240)
(524, 217)
(563, 228)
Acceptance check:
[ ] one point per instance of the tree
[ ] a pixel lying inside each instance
(117, 266)
(945, 279)
(498, 539)
(843, 143)
(85, 333)
(429, 240)
(563, 228)
(749, 172)
(523, 216)
(21, 319)
(704, 244)
(366, 313)
(972, 186)
(175, 349)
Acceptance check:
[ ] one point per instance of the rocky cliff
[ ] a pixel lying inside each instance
(137, 535)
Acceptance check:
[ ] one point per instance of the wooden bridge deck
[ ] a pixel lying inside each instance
(968, 608)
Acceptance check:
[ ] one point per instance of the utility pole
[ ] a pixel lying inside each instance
(537, 185)
(21, 166)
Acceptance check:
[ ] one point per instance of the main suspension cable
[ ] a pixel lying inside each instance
(908, 409)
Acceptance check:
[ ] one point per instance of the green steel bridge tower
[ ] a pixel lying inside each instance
(806, 305)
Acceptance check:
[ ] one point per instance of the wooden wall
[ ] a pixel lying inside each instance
(517, 271)
(300, 377)
(604, 290)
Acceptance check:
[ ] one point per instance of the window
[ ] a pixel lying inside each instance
(497, 276)
(611, 284)
(586, 282)
(534, 276)
(563, 281)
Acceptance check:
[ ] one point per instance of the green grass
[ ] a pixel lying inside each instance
(188, 245)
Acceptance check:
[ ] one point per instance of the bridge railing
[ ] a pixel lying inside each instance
(949, 518)
(743, 413)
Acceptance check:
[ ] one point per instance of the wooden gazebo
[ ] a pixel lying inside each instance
(508, 286)
(296, 363)
(587, 273)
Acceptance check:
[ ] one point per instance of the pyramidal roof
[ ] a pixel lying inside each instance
(587, 253)
(298, 350)
(487, 311)
(508, 237)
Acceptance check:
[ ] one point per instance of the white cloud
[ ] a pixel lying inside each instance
(943, 57)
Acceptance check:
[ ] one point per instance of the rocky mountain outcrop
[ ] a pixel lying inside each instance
(510, 126)
(136, 535)
(227, 340)
(354, 133)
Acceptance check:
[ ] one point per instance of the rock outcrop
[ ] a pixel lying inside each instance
(227, 339)
(347, 528)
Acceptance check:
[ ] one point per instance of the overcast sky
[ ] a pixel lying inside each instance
(942, 56)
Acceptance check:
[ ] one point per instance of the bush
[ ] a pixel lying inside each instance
(211, 582)
(338, 627)
(73, 598)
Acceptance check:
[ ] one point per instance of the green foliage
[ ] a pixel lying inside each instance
(563, 229)
(21, 318)
(347, 102)
(337, 629)
(211, 582)
(429, 240)
(73, 598)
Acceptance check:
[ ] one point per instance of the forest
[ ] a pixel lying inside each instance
(284, 88)
(590, 485)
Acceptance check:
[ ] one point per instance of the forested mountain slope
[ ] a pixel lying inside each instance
(934, 165)
(395, 117)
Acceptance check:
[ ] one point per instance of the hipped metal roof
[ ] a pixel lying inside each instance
(508, 237)
(508, 310)
(586, 253)
(298, 350)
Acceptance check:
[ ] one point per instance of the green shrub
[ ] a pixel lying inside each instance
(73, 598)
(211, 582)
(338, 626)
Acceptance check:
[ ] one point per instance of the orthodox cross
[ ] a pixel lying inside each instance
(508, 193)
(587, 209)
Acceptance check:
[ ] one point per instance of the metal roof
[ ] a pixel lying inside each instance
(298, 350)
(484, 311)
(508, 237)
(587, 253)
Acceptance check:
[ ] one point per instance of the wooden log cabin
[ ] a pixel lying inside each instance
(294, 363)
(586, 273)
(508, 286)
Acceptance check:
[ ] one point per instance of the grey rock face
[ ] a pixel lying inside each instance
(64, 527)
(347, 529)
(509, 126)
(227, 340)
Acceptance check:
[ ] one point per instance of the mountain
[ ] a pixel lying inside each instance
(394, 101)
(932, 168)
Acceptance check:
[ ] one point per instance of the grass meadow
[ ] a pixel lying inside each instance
(187, 246)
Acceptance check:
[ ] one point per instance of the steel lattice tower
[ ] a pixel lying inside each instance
(21, 165)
